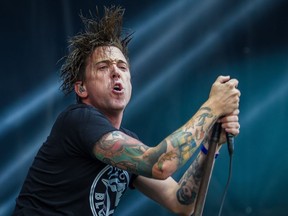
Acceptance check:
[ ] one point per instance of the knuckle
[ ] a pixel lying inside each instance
(230, 84)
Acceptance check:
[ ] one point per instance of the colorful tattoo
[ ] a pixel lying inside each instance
(199, 123)
(127, 153)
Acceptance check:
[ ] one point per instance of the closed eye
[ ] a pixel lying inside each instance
(102, 66)
(123, 66)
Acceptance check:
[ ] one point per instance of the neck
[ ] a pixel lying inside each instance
(115, 119)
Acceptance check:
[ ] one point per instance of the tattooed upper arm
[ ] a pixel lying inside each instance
(120, 150)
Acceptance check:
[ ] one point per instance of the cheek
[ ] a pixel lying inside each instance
(129, 86)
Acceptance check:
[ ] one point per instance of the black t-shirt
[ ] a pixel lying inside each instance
(65, 177)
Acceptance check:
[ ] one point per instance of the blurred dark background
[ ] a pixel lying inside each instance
(179, 49)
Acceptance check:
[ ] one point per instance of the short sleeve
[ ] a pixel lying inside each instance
(83, 126)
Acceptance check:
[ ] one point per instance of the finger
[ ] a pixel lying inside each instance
(234, 131)
(234, 82)
(223, 79)
(230, 125)
(238, 92)
(235, 112)
(231, 118)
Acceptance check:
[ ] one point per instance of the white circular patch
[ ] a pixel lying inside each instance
(107, 189)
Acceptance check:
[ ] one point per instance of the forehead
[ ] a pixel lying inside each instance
(108, 53)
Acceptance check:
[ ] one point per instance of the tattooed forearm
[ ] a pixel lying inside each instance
(189, 183)
(186, 139)
(182, 146)
(201, 123)
(202, 117)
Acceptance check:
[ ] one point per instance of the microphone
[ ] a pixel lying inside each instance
(230, 142)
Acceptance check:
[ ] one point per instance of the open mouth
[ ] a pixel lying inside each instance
(118, 88)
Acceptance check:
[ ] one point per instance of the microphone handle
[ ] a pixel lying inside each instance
(230, 142)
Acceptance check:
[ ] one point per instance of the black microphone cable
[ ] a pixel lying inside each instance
(230, 145)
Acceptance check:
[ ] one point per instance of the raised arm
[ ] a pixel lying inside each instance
(181, 197)
(125, 152)
(161, 161)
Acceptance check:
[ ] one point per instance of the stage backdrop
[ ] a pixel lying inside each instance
(178, 50)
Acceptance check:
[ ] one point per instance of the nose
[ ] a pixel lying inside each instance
(115, 74)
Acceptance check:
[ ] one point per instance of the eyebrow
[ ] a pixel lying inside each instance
(108, 61)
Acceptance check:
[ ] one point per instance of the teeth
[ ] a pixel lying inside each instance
(117, 87)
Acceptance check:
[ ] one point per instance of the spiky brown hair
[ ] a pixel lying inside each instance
(98, 31)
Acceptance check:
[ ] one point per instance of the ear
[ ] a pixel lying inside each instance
(80, 89)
